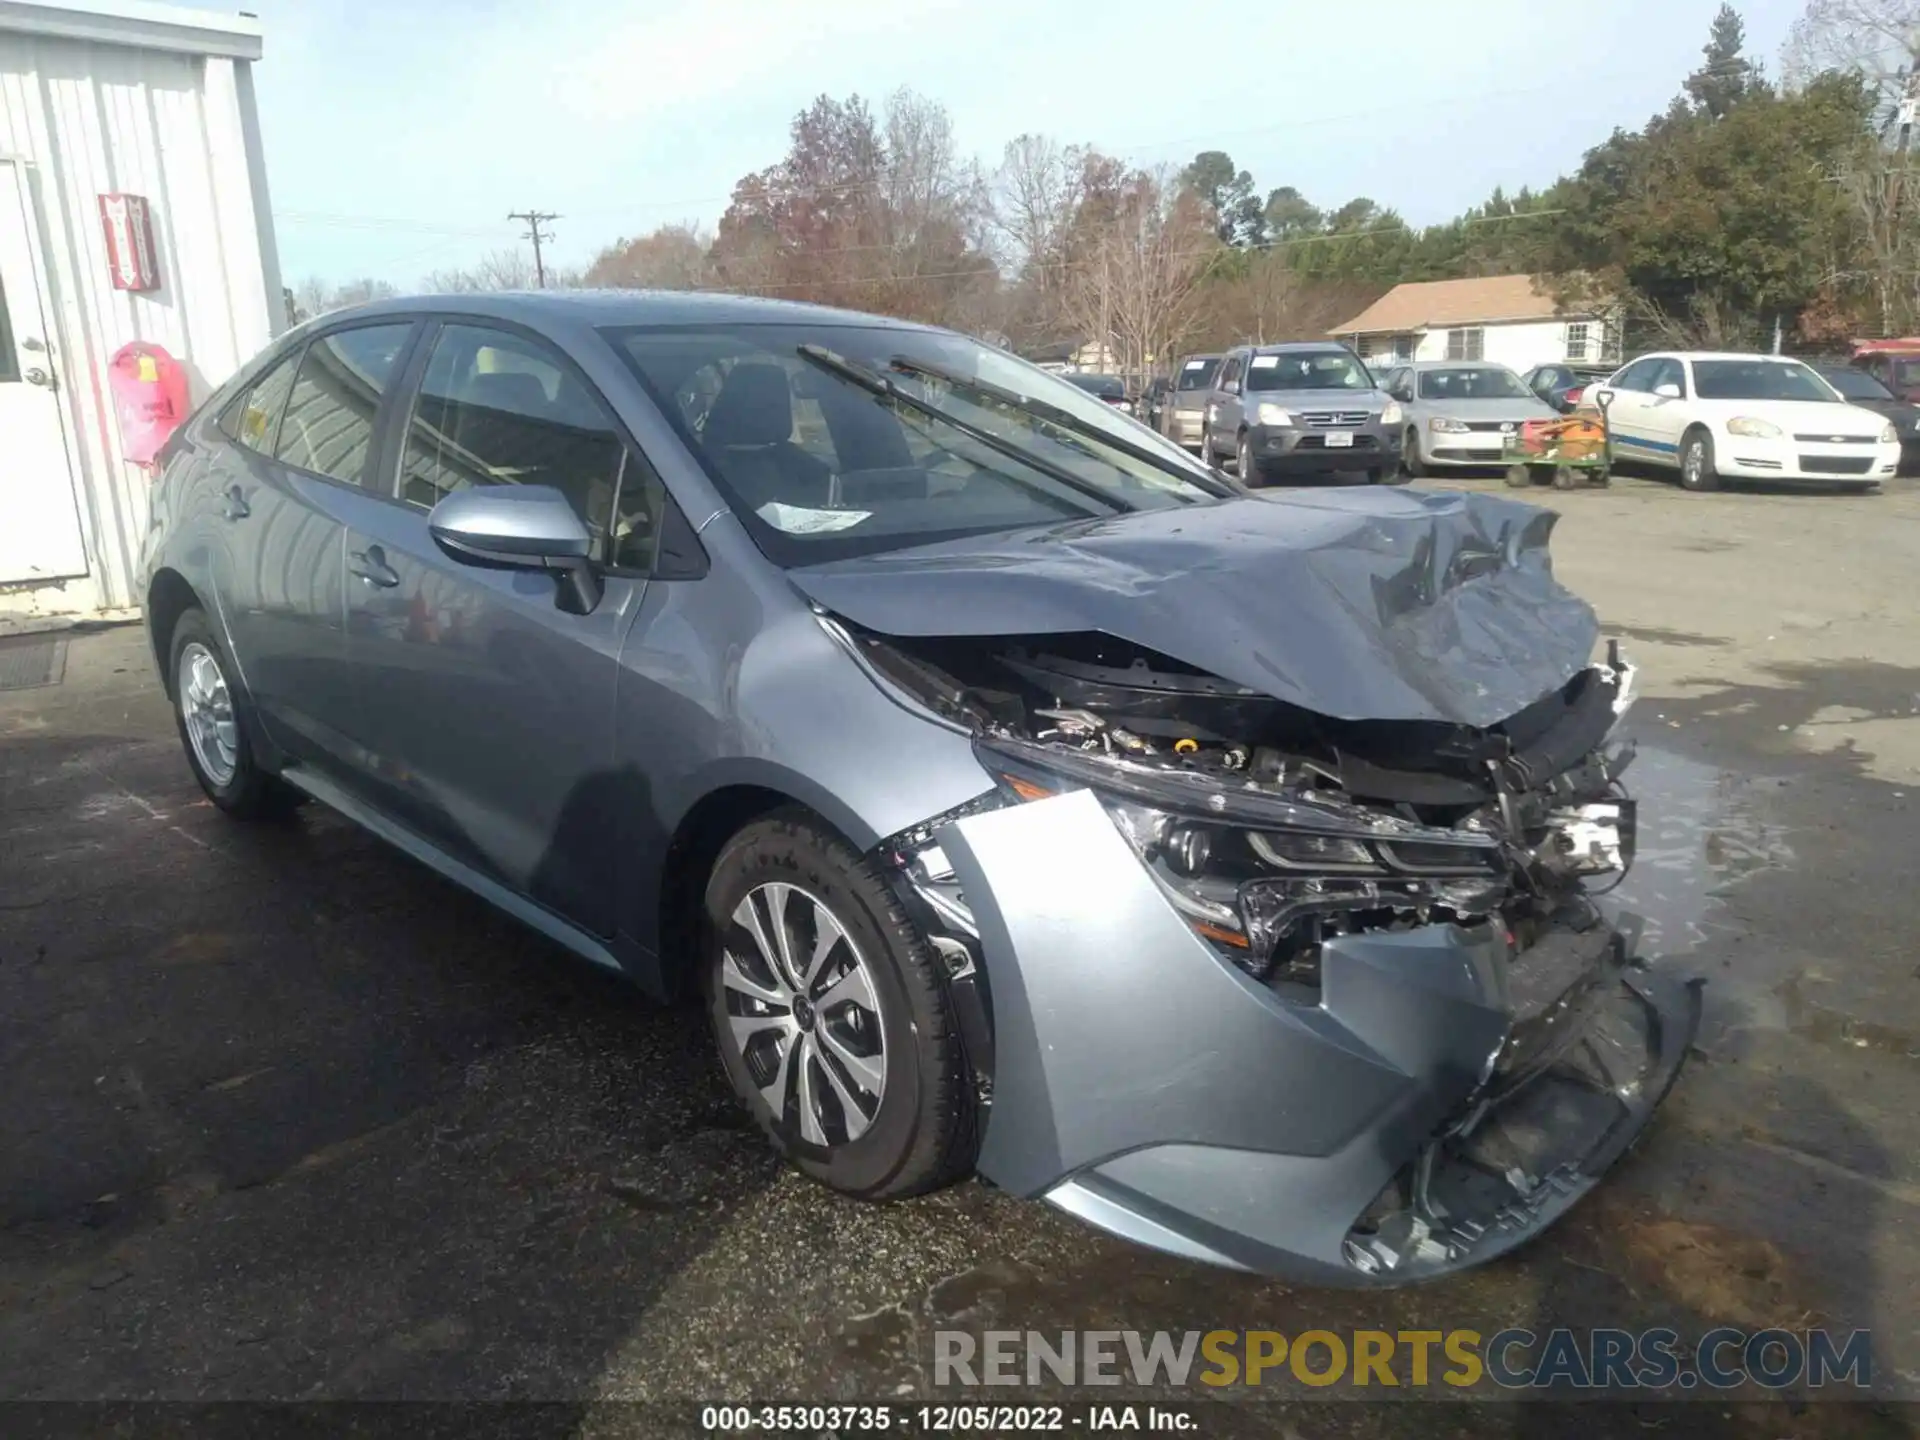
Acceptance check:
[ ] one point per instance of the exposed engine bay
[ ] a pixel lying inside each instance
(1272, 829)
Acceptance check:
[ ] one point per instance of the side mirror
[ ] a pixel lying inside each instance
(1232, 387)
(1667, 390)
(520, 527)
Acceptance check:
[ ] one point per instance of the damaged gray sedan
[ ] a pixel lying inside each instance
(1016, 793)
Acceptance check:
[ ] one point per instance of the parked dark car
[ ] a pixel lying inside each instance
(1861, 388)
(1016, 793)
(1153, 403)
(1562, 385)
(1289, 411)
(1110, 389)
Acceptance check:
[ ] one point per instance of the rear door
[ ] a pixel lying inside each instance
(486, 710)
(302, 440)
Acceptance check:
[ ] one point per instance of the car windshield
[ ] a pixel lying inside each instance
(1107, 387)
(818, 467)
(1758, 380)
(1855, 384)
(1307, 370)
(1473, 382)
(1198, 374)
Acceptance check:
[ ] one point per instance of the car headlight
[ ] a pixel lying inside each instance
(1752, 428)
(1889, 436)
(1393, 414)
(1271, 414)
(1264, 878)
(1441, 425)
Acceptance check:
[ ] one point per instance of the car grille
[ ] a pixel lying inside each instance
(1838, 439)
(1479, 425)
(1334, 419)
(1836, 464)
(1462, 452)
(1319, 442)
(1759, 464)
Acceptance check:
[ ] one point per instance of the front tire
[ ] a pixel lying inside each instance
(832, 1015)
(1697, 470)
(216, 727)
(1410, 459)
(1243, 459)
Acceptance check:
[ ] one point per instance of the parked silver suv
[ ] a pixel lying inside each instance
(1285, 411)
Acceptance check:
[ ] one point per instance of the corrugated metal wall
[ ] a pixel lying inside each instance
(179, 129)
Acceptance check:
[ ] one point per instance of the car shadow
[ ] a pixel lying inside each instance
(292, 1117)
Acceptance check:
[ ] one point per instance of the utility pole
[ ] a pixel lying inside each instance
(535, 219)
(1909, 103)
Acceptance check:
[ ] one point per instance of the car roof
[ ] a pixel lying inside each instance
(1717, 355)
(622, 307)
(1286, 347)
(1456, 364)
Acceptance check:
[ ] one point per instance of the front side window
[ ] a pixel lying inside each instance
(496, 408)
(254, 416)
(1472, 382)
(328, 425)
(1230, 372)
(1469, 344)
(1759, 380)
(818, 466)
(1856, 384)
(1308, 370)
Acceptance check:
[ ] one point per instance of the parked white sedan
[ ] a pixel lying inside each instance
(1718, 417)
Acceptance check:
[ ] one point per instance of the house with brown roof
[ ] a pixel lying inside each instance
(1509, 319)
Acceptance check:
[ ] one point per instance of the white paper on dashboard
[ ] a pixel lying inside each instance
(800, 520)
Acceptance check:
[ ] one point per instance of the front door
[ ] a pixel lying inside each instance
(40, 534)
(486, 707)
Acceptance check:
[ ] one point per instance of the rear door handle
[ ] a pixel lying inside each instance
(236, 507)
(371, 566)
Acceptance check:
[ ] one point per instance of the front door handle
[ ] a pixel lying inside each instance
(37, 376)
(371, 566)
(236, 507)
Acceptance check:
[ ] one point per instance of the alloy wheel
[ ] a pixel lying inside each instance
(207, 707)
(802, 1011)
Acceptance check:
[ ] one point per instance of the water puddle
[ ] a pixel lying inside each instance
(1702, 832)
(1705, 831)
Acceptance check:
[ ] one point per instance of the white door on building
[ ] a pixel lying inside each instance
(39, 515)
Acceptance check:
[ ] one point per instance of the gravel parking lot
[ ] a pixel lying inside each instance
(287, 1116)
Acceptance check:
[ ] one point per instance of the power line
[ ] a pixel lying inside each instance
(535, 219)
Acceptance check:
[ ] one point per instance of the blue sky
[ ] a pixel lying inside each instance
(399, 134)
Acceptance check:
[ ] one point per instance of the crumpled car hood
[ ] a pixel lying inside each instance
(1359, 604)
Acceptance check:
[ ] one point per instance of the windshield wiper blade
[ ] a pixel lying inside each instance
(1065, 419)
(877, 384)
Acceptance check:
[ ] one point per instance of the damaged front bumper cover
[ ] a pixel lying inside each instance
(1444, 1098)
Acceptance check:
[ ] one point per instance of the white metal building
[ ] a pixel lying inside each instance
(112, 108)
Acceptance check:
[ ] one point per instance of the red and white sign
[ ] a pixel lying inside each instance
(130, 253)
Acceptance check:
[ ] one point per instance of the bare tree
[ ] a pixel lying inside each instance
(673, 257)
(1879, 39)
(1132, 280)
(497, 270)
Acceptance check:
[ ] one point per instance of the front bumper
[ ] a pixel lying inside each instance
(1291, 449)
(1804, 462)
(1162, 1094)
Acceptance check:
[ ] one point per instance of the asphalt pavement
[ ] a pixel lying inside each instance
(287, 1117)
